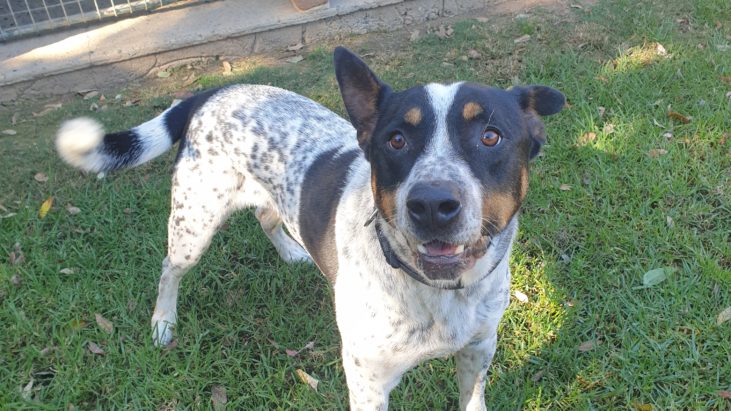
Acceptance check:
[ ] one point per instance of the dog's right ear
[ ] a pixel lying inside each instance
(362, 93)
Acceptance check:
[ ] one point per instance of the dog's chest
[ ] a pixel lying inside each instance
(410, 323)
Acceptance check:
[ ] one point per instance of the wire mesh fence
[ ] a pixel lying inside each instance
(28, 17)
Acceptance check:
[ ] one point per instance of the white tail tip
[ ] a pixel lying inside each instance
(77, 141)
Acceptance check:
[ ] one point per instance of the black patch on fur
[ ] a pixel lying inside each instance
(321, 190)
(178, 117)
(122, 148)
(392, 167)
(497, 167)
(126, 147)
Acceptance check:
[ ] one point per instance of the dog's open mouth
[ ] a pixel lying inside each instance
(439, 251)
(440, 260)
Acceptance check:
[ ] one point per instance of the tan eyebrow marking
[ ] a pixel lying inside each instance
(413, 116)
(471, 110)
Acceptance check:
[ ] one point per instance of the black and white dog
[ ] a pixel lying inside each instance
(410, 211)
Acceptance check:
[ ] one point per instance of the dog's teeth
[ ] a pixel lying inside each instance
(421, 248)
(460, 249)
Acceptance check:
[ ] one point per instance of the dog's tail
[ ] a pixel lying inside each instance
(82, 142)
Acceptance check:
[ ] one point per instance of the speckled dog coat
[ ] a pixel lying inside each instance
(410, 211)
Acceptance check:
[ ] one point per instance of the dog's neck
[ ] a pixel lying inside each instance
(504, 240)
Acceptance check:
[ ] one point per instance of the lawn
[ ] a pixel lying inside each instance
(636, 176)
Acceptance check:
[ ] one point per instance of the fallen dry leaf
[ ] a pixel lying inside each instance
(669, 221)
(565, 187)
(520, 296)
(90, 95)
(444, 31)
(27, 390)
(474, 54)
(15, 280)
(40, 177)
(601, 111)
(657, 152)
(292, 353)
(94, 348)
(130, 103)
(16, 256)
(642, 407)
(192, 78)
(45, 207)
(724, 316)
(218, 397)
(608, 128)
(44, 352)
(227, 69)
(522, 39)
(588, 345)
(307, 378)
(725, 394)
(538, 376)
(104, 324)
(77, 324)
(44, 111)
(677, 116)
(656, 276)
(586, 138)
(9, 132)
(67, 271)
(294, 59)
(73, 210)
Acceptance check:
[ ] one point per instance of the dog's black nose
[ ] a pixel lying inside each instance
(434, 205)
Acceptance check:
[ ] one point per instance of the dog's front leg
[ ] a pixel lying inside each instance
(369, 382)
(472, 364)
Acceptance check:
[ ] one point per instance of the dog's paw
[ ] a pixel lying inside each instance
(297, 256)
(162, 333)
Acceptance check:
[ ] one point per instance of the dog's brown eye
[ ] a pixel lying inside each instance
(397, 141)
(490, 137)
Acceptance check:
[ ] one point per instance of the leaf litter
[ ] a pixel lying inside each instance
(293, 353)
(218, 397)
(106, 325)
(307, 378)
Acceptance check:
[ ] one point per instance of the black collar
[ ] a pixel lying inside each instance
(394, 261)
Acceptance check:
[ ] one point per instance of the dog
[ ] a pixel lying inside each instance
(410, 209)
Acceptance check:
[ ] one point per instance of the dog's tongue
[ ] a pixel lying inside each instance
(437, 248)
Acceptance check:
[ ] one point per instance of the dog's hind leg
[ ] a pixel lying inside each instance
(286, 246)
(198, 209)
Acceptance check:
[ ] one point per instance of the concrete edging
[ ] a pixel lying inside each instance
(120, 52)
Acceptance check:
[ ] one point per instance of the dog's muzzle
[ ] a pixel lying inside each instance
(434, 206)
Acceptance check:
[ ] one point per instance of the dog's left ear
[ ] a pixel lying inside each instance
(362, 93)
(538, 101)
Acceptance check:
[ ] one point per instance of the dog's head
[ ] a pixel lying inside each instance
(449, 163)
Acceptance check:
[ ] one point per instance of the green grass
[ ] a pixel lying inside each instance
(580, 256)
